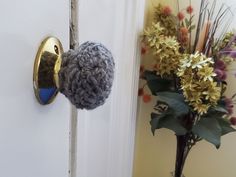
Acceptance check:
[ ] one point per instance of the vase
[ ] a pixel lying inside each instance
(182, 152)
(172, 174)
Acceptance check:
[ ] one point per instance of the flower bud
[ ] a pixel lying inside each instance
(146, 98)
(233, 120)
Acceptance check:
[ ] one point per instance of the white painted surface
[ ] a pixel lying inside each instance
(155, 156)
(33, 138)
(106, 135)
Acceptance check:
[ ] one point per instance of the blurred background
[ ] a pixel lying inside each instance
(155, 155)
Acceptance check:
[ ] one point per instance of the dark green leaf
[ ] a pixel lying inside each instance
(225, 126)
(216, 112)
(220, 109)
(174, 124)
(166, 120)
(175, 101)
(155, 119)
(156, 83)
(150, 75)
(159, 85)
(208, 129)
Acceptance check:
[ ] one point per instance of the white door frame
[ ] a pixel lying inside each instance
(118, 154)
(122, 130)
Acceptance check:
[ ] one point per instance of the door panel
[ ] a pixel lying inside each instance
(33, 138)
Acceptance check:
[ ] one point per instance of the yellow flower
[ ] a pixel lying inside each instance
(165, 49)
(169, 22)
(194, 96)
(201, 108)
(214, 92)
(197, 76)
(153, 34)
(206, 73)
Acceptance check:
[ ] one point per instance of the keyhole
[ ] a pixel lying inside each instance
(56, 49)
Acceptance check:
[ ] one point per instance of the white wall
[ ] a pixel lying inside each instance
(155, 156)
(106, 135)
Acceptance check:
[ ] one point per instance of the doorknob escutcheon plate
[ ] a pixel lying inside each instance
(46, 67)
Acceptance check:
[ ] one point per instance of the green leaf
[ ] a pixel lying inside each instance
(168, 121)
(175, 101)
(187, 22)
(192, 27)
(225, 126)
(208, 129)
(150, 75)
(155, 119)
(216, 112)
(220, 109)
(156, 83)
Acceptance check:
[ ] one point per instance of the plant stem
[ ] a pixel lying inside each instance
(190, 36)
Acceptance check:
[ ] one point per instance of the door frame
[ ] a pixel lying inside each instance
(118, 157)
(123, 129)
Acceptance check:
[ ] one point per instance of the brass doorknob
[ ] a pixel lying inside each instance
(84, 75)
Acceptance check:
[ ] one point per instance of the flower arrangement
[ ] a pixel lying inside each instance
(189, 75)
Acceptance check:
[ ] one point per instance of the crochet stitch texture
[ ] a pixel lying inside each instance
(86, 75)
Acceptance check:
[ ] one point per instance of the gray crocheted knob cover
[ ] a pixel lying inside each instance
(86, 75)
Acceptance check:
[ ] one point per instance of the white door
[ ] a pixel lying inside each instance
(34, 139)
